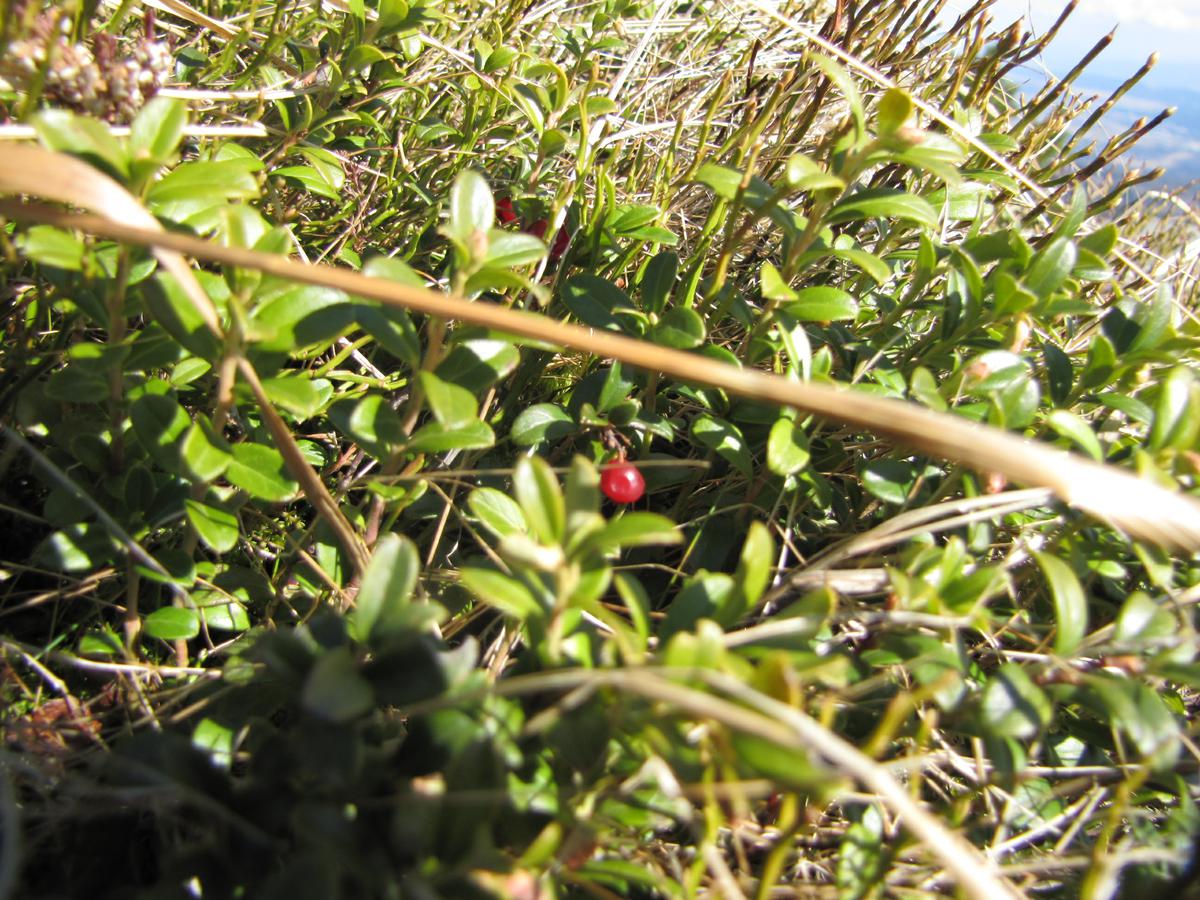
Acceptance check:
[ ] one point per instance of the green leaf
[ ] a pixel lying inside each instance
(1070, 604)
(221, 612)
(393, 330)
(891, 480)
(438, 438)
(1143, 620)
(334, 690)
(658, 281)
(994, 370)
(726, 182)
(1153, 319)
(863, 859)
(787, 447)
(471, 206)
(188, 370)
(1137, 710)
(66, 132)
(783, 765)
(1051, 267)
(594, 301)
(772, 284)
(103, 642)
(500, 591)
(581, 498)
(205, 454)
(1090, 267)
(453, 406)
(637, 601)
(1099, 367)
(159, 423)
(822, 304)
(963, 202)
(1016, 405)
(883, 203)
(174, 567)
(392, 269)
(177, 315)
(804, 174)
(1013, 706)
(614, 390)
(172, 623)
(314, 180)
(1077, 431)
(538, 492)
(924, 388)
(77, 548)
(1177, 412)
(387, 585)
(868, 262)
(706, 595)
(1059, 373)
(49, 246)
(218, 528)
(78, 383)
(370, 422)
(478, 363)
(300, 315)
(681, 328)
(259, 470)
(633, 529)
(844, 83)
(1101, 241)
(499, 513)
(725, 439)
(156, 131)
(1131, 407)
(212, 182)
(507, 249)
(500, 58)
(362, 57)
(301, 396)
(755, 566)
(541, 422)
(1009, 297)
(795, 341)
(390, 325)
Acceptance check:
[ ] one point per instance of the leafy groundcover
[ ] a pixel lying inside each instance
(594, 450)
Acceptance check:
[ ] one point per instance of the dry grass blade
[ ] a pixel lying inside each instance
(37, 172)
(788, 727)
(188, 14)
(1134, 505)
(26, 169)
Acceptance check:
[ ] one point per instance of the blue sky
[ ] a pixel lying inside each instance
(1171, 27)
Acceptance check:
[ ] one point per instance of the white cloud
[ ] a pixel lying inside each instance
(1179, 15)
(1169, 15)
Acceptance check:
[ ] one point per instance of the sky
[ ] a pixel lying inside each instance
(1170, 27)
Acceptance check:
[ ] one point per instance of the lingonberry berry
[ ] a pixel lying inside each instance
(505, 212)
(622, 483)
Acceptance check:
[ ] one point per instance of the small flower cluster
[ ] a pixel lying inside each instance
(99, 81)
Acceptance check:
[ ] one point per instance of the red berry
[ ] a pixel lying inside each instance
(561, 240)
(505, 212)
(622, 483)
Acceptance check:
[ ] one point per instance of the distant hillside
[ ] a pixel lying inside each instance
(1174, 145)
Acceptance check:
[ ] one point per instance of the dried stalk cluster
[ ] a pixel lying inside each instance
(108, 80)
